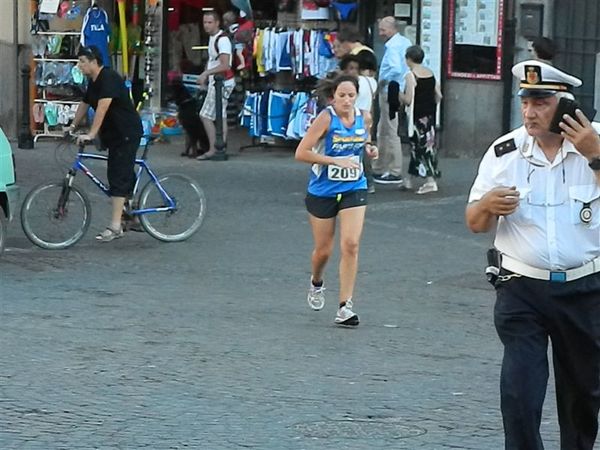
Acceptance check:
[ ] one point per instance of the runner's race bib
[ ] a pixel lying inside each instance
(336, 173)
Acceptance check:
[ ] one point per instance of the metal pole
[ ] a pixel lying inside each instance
(16, 44)
(596, 90)
(25, 139)
(220, 154)
(509, 38)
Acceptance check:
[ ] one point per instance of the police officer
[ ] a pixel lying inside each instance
(540, 190)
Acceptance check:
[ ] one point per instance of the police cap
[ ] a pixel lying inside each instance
(539, 79)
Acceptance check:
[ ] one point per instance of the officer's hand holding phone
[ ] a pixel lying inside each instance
(578, 130)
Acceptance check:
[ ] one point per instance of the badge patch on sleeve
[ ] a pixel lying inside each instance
(505, 147)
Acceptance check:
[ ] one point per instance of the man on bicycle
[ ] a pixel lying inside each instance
(117, 124)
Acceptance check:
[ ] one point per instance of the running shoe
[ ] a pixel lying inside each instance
(387, 179)
(345, 316)
(316, 297)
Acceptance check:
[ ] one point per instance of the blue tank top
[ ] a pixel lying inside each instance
(340, 141)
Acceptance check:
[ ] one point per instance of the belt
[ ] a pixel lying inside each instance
(559, 276)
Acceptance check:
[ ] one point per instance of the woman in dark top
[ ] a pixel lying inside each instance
(421, 96)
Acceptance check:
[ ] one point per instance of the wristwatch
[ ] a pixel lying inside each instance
(594, 163)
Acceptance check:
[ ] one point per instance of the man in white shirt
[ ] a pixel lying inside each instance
(540, 191)
(219, 62)
(393, 67)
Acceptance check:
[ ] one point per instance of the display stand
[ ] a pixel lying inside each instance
(42, 98)
(153, 49)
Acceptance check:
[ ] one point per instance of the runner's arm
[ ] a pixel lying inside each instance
(311, 139)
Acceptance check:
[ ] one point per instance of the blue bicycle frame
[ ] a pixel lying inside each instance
(78, 165)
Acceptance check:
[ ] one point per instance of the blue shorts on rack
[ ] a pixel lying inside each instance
(278, 114)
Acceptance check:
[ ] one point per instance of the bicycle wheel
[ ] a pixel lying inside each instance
(180, 223)
(53, 226)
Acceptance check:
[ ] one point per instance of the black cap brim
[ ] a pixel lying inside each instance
(524, 92)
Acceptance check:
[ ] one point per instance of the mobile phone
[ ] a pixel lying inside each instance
(568, 106)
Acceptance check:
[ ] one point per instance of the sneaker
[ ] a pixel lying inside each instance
(371, 188)
(109, 235)
(430, 186)
(407, 184)
(345, 316)
(388, 179)
(316, 297)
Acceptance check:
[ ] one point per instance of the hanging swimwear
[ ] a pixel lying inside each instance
(344, 11)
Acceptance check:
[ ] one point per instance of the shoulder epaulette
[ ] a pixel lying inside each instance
(505, 147)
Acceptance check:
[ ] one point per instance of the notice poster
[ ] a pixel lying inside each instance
(310, 11)
(431, 34)
(476, 22)
(49, 6)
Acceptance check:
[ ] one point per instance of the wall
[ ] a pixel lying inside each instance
(8, 90)
(9, 71)
(523, 50)
(472, 116)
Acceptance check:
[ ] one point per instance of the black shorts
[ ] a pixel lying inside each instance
(121, 167)
(328, 207)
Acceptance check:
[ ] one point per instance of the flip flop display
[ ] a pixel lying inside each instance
(37, 112)
(54, 44)
(49, 75)
(76, 75)
(59, 83)
(74, 12)
(63, 8)
(38, 45)
(51, 113)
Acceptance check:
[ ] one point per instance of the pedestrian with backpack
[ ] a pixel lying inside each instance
(219, 62)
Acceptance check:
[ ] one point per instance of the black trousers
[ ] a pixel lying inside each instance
(527, 314)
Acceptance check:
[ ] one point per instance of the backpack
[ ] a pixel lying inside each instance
(229, 73)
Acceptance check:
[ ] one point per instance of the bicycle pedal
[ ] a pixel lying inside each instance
(132, 226)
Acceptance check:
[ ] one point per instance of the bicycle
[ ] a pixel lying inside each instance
(56, 215)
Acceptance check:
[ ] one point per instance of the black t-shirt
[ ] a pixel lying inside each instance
(122, 123)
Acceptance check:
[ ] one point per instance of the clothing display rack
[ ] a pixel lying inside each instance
(287, 61)
(256, 83)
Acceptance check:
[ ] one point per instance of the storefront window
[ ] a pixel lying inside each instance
(475, 39)
(186, 34)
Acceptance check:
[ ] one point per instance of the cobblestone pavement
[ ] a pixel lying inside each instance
(209, 344)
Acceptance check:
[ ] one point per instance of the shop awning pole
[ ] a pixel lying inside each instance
(16, 44)
(124, 43)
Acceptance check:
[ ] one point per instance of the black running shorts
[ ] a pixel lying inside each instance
(328, 207)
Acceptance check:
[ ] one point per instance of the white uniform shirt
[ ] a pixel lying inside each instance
(546, 230)
(224, 46)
